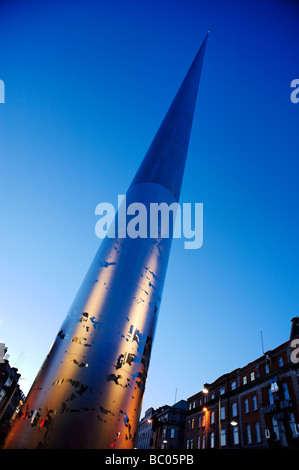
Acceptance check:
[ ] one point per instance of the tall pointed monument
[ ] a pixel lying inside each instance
(88, 392)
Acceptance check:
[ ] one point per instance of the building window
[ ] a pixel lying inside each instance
(270, 396)
(203, 441)
(222, 391)
(252, 376)
(233, 385)
(248, 434)
(236, 435)
(223, 438)
(257, 432)
(198, 442)
(187, 444)
(222, 412)
(192, 423)
(199, 421)
(203, 420)
(234, 409)
(280, 362)
(267, 370)
(293, 426)
(212, 417)
(191, 444)
(246, 405)
(244, 380)
(190, 406)
(2, 393)
(254, 402)
(275, 428)
(285, 391)
(212, 396)
(212, 440)
(172, 433)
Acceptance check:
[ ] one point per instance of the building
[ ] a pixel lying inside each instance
(11, 396)
(145, 433)
(163, 428)
(255, 406)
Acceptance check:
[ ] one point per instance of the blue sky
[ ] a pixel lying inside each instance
(86, 87)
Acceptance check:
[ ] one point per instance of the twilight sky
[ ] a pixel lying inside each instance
(87, 84)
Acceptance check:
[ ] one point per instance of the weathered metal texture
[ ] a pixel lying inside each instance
(88, 392)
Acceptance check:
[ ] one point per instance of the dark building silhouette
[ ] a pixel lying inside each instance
(163, 428)
(11, 396)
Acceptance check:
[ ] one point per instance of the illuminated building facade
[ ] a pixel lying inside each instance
(255, 406)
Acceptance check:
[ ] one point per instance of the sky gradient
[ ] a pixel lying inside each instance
(87, 85)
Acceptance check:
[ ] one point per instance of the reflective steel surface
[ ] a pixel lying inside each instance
(88, 392)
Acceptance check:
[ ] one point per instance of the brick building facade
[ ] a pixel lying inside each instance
(255, 406)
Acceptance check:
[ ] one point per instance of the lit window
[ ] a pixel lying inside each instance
(192, 423)
(203, 420)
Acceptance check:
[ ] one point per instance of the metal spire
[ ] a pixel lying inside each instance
(165, 159)
(88, 392)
